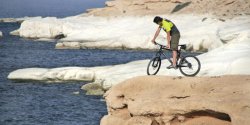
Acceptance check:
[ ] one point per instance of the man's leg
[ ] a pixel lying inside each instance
(174, 58)
(174, 46)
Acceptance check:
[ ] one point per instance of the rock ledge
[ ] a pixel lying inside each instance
(158, 100)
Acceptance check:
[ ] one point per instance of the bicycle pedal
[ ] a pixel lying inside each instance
(171, 67)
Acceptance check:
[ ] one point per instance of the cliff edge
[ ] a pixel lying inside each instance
(161, 100)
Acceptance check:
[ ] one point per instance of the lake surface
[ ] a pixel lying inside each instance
(33, 103)
(56, 8)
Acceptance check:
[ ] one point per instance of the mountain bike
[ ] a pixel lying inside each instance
(188, 65)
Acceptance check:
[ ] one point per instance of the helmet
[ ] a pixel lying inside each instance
(157, 19)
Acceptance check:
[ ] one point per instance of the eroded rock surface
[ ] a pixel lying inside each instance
(201, 33)
(161, 100)
(220, 8)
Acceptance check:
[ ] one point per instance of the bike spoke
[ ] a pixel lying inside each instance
(154, 66)
(190, 66)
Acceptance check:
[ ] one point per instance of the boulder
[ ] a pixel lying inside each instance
(93, 89)
(49, 27)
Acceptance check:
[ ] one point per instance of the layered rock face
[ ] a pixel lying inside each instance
(161, 100)
(221, 8)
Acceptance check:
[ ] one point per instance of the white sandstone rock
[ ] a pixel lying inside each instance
(1, 34)
(36, 28)
(15, 33)
(227, 43)
(17, 20)
(53, 75)
(232, 58)
(68, 45)
(135, 32)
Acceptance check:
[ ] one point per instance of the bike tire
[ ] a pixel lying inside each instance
(154, 63)
(190, 64)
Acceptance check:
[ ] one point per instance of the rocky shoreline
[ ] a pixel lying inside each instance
(203, 32)
(128, 32)
(219, 27)
(207, 19)
(224, 60)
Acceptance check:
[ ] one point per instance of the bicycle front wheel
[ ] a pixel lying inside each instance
(154, 66)
(189, 66)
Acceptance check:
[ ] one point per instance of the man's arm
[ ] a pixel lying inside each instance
(168, 39)
(156, 34)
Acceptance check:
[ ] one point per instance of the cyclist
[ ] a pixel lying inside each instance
(173, 36)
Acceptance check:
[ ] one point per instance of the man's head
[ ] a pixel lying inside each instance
(158, 20)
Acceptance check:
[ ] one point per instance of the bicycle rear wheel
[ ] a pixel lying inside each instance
(189, 66)
(154, 66)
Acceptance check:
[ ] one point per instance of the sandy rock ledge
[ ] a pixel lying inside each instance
(158, 100)
(220, 8)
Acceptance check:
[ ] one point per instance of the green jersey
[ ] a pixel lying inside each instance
(169, 26)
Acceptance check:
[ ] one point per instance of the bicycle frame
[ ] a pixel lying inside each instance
(154, 64)
(160, 53)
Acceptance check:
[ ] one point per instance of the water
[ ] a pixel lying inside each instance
(33, 103)
(57, 8)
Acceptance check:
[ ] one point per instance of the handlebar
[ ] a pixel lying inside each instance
(162, 46)
(165, 47)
